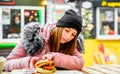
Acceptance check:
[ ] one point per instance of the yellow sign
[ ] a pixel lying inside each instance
(110, 4)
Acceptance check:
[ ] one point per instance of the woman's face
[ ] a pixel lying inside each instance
(68, 34)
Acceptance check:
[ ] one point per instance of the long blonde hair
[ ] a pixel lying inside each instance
(55, 45)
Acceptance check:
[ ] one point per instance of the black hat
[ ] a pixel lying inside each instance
(71, 20)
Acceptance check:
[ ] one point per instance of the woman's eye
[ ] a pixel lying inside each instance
(74, 34)
(66, 30)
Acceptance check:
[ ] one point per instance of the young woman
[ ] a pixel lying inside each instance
(57, 42)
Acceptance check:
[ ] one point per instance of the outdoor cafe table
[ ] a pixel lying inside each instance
(102, 69)
(96, 69)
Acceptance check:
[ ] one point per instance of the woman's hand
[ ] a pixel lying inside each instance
(48, 56)
(33, 60)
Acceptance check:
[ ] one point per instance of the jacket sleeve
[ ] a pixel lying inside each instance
(17, 59)
(74, 62)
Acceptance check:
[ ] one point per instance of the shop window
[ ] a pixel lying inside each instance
(58, 11)
(11, 23)
(31, 16)
(14, 18)
(107, 24)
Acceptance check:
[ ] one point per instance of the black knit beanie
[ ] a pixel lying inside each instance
(71, 20)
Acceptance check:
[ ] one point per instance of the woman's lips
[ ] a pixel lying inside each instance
(64, 40)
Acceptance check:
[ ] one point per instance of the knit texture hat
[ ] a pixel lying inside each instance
(71, 20)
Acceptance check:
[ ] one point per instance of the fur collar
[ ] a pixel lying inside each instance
(32, 41)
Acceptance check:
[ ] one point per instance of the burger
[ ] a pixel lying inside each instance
(45, 67)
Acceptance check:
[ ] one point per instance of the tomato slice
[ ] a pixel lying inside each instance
(48, 67)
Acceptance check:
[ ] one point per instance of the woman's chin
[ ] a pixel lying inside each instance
(62, 42)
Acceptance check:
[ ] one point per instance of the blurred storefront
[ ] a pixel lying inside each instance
(104, 31)
(101, 24)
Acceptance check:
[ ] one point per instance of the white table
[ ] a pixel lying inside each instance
(57, 72)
